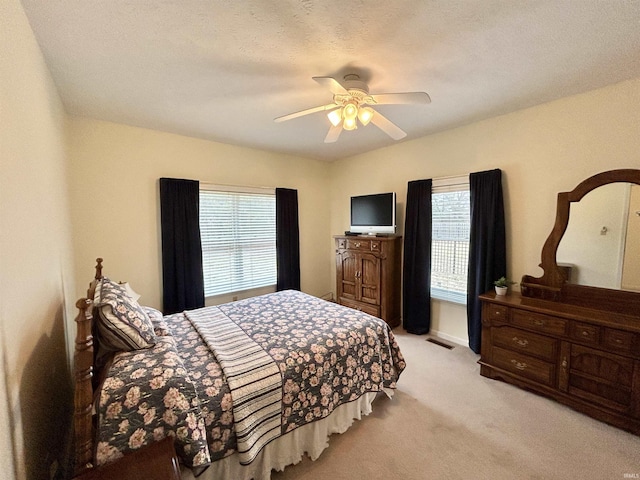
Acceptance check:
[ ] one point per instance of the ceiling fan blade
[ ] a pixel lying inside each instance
(387, 126)
(332, 84)
(305, 112)
(401, 98)
(334, 133)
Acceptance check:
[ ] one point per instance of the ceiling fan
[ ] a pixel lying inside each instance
(352, 103)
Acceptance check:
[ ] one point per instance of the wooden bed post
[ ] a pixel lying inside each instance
(98, 275)
(83, 394)
(83, 373)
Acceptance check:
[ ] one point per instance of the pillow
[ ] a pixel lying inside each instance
(122, 323)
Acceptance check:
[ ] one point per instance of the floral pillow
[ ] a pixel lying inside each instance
(122, 323)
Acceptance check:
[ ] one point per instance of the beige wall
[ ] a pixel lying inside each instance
(115, 213)
(541, 150)
(36, 287)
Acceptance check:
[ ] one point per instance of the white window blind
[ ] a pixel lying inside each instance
(450, 239)
(238, 231)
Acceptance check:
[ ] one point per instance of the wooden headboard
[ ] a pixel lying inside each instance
(85, 371)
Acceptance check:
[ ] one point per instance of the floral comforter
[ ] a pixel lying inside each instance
(327, 355)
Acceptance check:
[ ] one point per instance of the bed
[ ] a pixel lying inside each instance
(243, 388)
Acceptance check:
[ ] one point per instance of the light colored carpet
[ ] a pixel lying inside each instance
(448, 422)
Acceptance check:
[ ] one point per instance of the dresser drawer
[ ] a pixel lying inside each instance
(524, 366)
(499, 313)
(364, 245)
(619, 341)
(539, 322)
(525, 342)
(359, 244)
(585, 333)
(363, 307)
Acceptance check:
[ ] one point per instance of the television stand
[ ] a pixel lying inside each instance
(368, 273)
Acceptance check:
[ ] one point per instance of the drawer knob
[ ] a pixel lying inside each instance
(538, 322)
(357, 244)
(498, 313)
(519, 365)
(585, 333)
(618, 341)
(522, 342)
(564, 362)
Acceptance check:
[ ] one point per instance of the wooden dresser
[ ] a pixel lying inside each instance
(368, 275)
(586, 358)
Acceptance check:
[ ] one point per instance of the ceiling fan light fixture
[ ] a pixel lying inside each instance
(350, 106)
(350, 124)
(350, 111)
(335, 117)
(365, 115)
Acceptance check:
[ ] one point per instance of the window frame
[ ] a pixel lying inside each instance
(444, 185)
(247, 190)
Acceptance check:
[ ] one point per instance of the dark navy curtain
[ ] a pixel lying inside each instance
(487, 246)
(287, 239)
(182, 278)
(416, 296)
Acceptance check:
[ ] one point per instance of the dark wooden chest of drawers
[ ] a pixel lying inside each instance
(368, 275)
(587, 359)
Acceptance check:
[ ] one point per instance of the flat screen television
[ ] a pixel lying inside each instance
(373, 214)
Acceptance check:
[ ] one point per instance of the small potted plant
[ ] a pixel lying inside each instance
(502, 285)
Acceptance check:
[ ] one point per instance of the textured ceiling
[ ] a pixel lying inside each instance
(223, 70)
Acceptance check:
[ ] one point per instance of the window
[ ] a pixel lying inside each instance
(450, 239)
(238, 230)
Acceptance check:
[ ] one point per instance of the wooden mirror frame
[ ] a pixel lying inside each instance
(553, 284)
